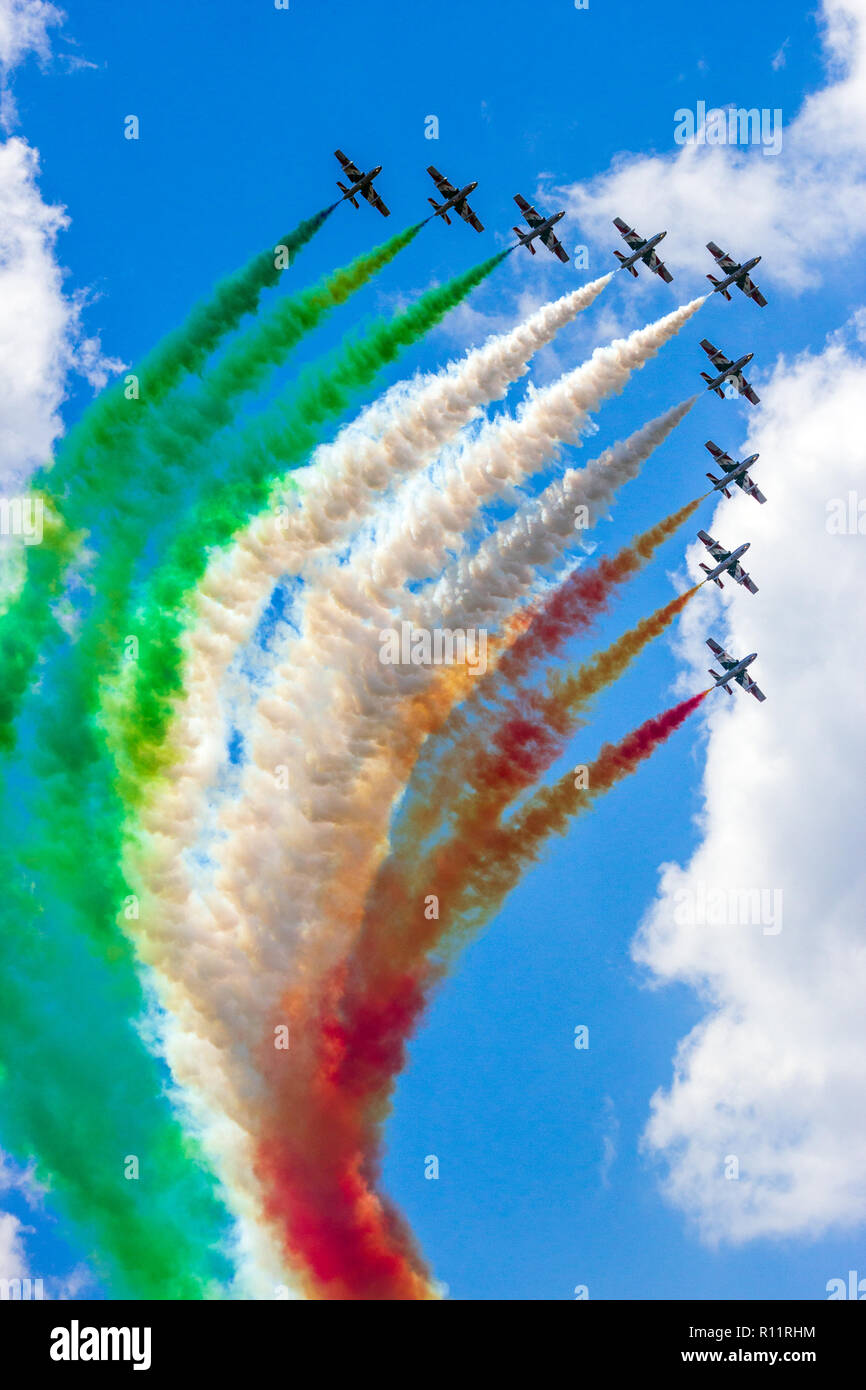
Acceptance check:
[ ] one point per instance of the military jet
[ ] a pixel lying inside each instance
(734, 473)
(734, 670)
(455, 198)
(735, 274)
(728, 563)
(728, 371)
(541, 227)
(643, 251)
(361, 184)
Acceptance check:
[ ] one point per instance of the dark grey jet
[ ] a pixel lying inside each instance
(642, 251)
(735, 274)
(734, 473)
(540, 227)
(455, 198)
(361, 184)
(728, 371)
(734, 670)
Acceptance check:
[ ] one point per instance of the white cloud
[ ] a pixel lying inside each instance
(774, 1075)
(41, 335)
(13, 1263)
(24, 26)
(807, 202)
(780, 56)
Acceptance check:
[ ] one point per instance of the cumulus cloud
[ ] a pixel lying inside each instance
(24, 26)
(42, 339)
(807, 202)
(766, 921)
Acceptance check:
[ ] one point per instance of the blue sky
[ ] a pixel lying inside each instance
(241, 107)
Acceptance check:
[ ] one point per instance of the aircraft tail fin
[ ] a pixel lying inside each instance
(519, 232)
(717, 676)
(706, 570)
(344, 190)
(717, 283)
(622, 259)
(438, 207)
(709, 380)
(715, 481)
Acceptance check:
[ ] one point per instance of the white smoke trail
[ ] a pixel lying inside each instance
(332, 717)
(503, 569)
(196, 940)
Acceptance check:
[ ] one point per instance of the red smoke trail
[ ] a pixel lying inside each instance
(499, 696)
(322, 1155)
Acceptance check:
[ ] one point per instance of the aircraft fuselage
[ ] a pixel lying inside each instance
(541, 228)
(734, 370)
(737, 276)
(736, 670)
(730, 562)
(642, 250)
(363, 183)
(456, 199)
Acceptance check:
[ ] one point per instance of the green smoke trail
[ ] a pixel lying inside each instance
(94, 463)
(178, 354)
(78, 1083)
(279, 440)
(79, 1090)
(70, 755)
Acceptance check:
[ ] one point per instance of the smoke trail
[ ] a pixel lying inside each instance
(178, 932)
(80, 1092)
(341, 486)
(349, 605)
(92, 464)
(181, 352)
(279, 441)
(69, 696)
(432, 515)
(571, 608)
(482, 587)
(332, 1213)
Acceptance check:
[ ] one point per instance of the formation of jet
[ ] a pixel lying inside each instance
(728, 371)
(734, 473)
(540, 227)
(455, 198)
(735, 274)
(361, 184)
(641, 251)
(733, 670)
(728, 562)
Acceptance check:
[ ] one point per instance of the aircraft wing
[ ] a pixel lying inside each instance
(658, 267)
(351, 169)
(628, 233)
(721, 655)
(530, 214)
(373, 197)
(739, 574)
(717, 551)
(726, 262)
(717, 358)
(469, 216)
(748, 684)
(553, 244)
(722, 459)
(748, 286)
(749, 391)
(751, 488)
(446, 188)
